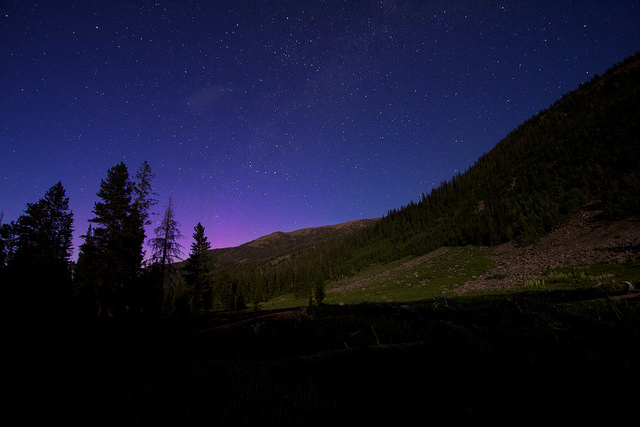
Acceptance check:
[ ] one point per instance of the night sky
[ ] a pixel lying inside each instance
(263, 116)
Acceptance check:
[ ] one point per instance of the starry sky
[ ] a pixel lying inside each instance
(263, 116)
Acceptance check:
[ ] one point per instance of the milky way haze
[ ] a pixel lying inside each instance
(260, 116)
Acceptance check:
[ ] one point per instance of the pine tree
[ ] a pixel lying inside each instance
(118, 238)
(40, 267)
(8, 242)
(318, 289)
(165, 246)
(143, 192)
(45, 229)
(197, 270)
(144, 198)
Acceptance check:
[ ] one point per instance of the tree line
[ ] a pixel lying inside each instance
(42, 284)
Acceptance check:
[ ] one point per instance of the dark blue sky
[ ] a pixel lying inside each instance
(262, 116)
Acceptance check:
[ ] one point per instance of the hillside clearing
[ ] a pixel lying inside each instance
(584, 240)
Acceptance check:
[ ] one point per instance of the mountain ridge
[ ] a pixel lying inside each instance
(278, 243)
(304, 232)
(584, 147)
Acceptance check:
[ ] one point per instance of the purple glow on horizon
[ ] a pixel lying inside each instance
(277, 116)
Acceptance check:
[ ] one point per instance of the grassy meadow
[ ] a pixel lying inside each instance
(405, 280)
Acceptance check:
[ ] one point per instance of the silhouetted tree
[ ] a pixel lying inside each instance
(8, 242)
(318, 289)
(143, 192)
(39, 268)
(166, 250)
(235, 299)
(165, 246)
(118, 238)
(197, 270)
(144, 197)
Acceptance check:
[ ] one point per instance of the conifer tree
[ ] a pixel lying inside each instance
(197, 270)
(3, 245)
(144, 198)
(8, 242)
(143, 192)
(165, 246)
(118, 237)
(318, 289)
(40, 267)
(45, 229)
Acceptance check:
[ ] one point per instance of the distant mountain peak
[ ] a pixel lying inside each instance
(318, 233)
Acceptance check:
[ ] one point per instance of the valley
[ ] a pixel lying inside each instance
(507, 295)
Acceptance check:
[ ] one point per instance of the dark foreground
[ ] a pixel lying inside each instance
(525, 359)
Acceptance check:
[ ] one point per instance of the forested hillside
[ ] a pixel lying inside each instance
(584, 147)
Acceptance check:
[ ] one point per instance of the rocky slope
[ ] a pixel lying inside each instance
(585, 239)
